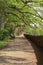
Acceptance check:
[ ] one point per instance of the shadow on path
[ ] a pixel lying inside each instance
(9, 59)
(17, 44)
(21, 45)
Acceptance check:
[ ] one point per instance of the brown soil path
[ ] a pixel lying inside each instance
(20, 51)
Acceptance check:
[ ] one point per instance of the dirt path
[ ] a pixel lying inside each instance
(19, 52)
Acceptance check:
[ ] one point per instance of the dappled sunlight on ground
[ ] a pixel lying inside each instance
(20, 51)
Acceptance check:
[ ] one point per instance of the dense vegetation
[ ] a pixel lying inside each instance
(14, 12)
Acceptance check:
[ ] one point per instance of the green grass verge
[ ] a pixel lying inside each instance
(3, 42)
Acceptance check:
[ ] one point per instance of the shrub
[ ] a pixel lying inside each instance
(11, 28)
(3, 34)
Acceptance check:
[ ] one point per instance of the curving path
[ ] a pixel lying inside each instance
(20, 51)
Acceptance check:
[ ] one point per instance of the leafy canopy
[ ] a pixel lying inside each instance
(27, 11)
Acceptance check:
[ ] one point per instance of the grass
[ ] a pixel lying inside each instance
(3, 42)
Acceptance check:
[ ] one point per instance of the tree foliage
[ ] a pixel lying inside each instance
(27, 11)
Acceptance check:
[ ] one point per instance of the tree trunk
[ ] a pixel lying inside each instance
(2, 21)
